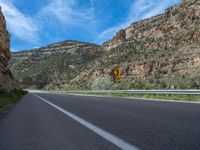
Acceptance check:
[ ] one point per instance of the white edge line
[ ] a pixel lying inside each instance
(104, 134)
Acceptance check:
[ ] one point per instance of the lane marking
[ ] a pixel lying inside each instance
(122, 144)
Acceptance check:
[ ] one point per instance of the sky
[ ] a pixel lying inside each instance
(36, 23)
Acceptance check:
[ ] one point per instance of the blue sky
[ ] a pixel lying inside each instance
(36, 23)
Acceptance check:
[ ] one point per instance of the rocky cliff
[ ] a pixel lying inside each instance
(177, 26)
(158, 52)
(7, 82)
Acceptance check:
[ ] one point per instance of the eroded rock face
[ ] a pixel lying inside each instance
(7, 82)
(117, 40)
(177, 30)
(177, 26)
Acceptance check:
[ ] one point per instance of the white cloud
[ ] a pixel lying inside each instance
(92, 2)
(23, 27)
(68, 13)
(13, 50)
(140, 9)
(65, 13)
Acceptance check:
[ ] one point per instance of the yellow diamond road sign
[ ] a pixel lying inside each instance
(117, 74)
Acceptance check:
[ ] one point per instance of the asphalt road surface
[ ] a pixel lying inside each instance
(68, 122)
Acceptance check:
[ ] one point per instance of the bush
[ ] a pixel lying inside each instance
(104, 83)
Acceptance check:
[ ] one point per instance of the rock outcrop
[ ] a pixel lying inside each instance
(7, 82)
(116, 41)
(177, 26)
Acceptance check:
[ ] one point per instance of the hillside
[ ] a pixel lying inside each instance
(159, 52)
(54, 65)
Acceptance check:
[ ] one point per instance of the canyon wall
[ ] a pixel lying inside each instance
(7, 81)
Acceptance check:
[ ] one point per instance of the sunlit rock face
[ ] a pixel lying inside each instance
(176, 30)
(7, 82)
(177, 26)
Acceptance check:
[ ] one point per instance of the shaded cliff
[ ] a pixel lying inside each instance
(7, 82)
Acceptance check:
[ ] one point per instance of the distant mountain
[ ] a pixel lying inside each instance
(54, 65)
(159, 52)
(7, 82)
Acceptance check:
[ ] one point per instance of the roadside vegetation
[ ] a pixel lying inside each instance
(6, 99)
(152, 83)
(107, 83)
(181, 97)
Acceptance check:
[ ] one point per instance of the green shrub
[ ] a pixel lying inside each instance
(104, 83)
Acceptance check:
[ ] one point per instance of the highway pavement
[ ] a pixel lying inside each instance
(43, 121)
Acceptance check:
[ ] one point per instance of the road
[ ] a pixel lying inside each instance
(68, 122)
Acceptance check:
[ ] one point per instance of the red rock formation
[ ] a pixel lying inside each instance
(7, 82)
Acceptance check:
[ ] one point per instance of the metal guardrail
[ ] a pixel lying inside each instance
(176, 92)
